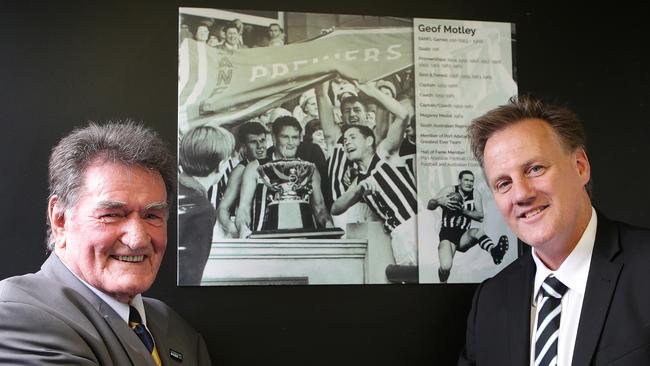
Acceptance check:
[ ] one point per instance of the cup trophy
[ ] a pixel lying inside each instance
(289, 213)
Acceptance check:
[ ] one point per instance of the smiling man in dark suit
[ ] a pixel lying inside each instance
(110, 190)
(582, 296)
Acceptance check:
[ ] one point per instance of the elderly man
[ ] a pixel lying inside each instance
(110, 191)
(581, 296)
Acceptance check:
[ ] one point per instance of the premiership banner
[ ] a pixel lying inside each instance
(227, 86)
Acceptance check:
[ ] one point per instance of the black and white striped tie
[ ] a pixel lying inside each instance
(548, 321)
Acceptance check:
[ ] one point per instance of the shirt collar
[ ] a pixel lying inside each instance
(120, 308)
(574, 270)
(373, 163)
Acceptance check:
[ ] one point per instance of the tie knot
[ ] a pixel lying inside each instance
(552, 287)
(134, 316)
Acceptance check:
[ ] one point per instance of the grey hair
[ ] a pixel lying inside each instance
(124, 142)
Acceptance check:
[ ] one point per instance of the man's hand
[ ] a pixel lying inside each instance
(369, 88)
(230, 229)
(450, 201)
(244, 232)
(367, 187)
(445, 201)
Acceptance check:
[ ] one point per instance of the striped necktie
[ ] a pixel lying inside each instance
(135, 322)
(548, 321)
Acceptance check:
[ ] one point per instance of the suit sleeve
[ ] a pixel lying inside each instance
(468, 354)
(30, 335)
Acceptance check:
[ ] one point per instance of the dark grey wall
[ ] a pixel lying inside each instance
(64, 63)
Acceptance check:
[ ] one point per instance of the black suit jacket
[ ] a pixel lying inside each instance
(614, 327)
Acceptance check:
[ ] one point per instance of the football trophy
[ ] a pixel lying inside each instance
(288, 212)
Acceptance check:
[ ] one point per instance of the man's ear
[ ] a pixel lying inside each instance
(582, 164)
(369, 141)
(56, 215)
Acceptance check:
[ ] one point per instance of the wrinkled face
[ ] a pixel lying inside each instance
(232, 36)
(538, 185)
(354, 113)
(274, 31)
(115, 236)
(255, 146)
(202, 33)
(356, 144)
(311, 107)
(466, 182)
(286, 142)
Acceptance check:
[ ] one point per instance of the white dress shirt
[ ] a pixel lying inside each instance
(572, 273)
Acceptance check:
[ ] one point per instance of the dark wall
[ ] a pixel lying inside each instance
(64, 63)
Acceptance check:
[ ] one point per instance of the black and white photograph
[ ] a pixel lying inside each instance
(458, 220)
(296, 149)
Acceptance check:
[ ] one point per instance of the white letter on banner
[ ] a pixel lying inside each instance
(279, 70)
(258, 71)
(393, 53)
(296, 64)
(371, 54)
(351, 55)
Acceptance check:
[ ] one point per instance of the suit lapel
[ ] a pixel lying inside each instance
(159, 328)
(519, 297)
(132, 345)
(601, 282)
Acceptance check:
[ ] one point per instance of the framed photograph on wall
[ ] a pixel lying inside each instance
(331, 148)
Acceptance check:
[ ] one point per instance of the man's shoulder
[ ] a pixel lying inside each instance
(36, 296)
(630, 231)
(52, 286)
(27, 288)
(630, 237)
(634, 241)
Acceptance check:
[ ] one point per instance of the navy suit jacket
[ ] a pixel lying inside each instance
(614, 327)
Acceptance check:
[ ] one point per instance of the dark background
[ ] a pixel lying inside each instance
(64, 63)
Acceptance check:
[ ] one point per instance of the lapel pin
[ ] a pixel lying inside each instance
(176, 355)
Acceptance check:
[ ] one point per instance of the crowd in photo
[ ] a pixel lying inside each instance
(232, 34)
